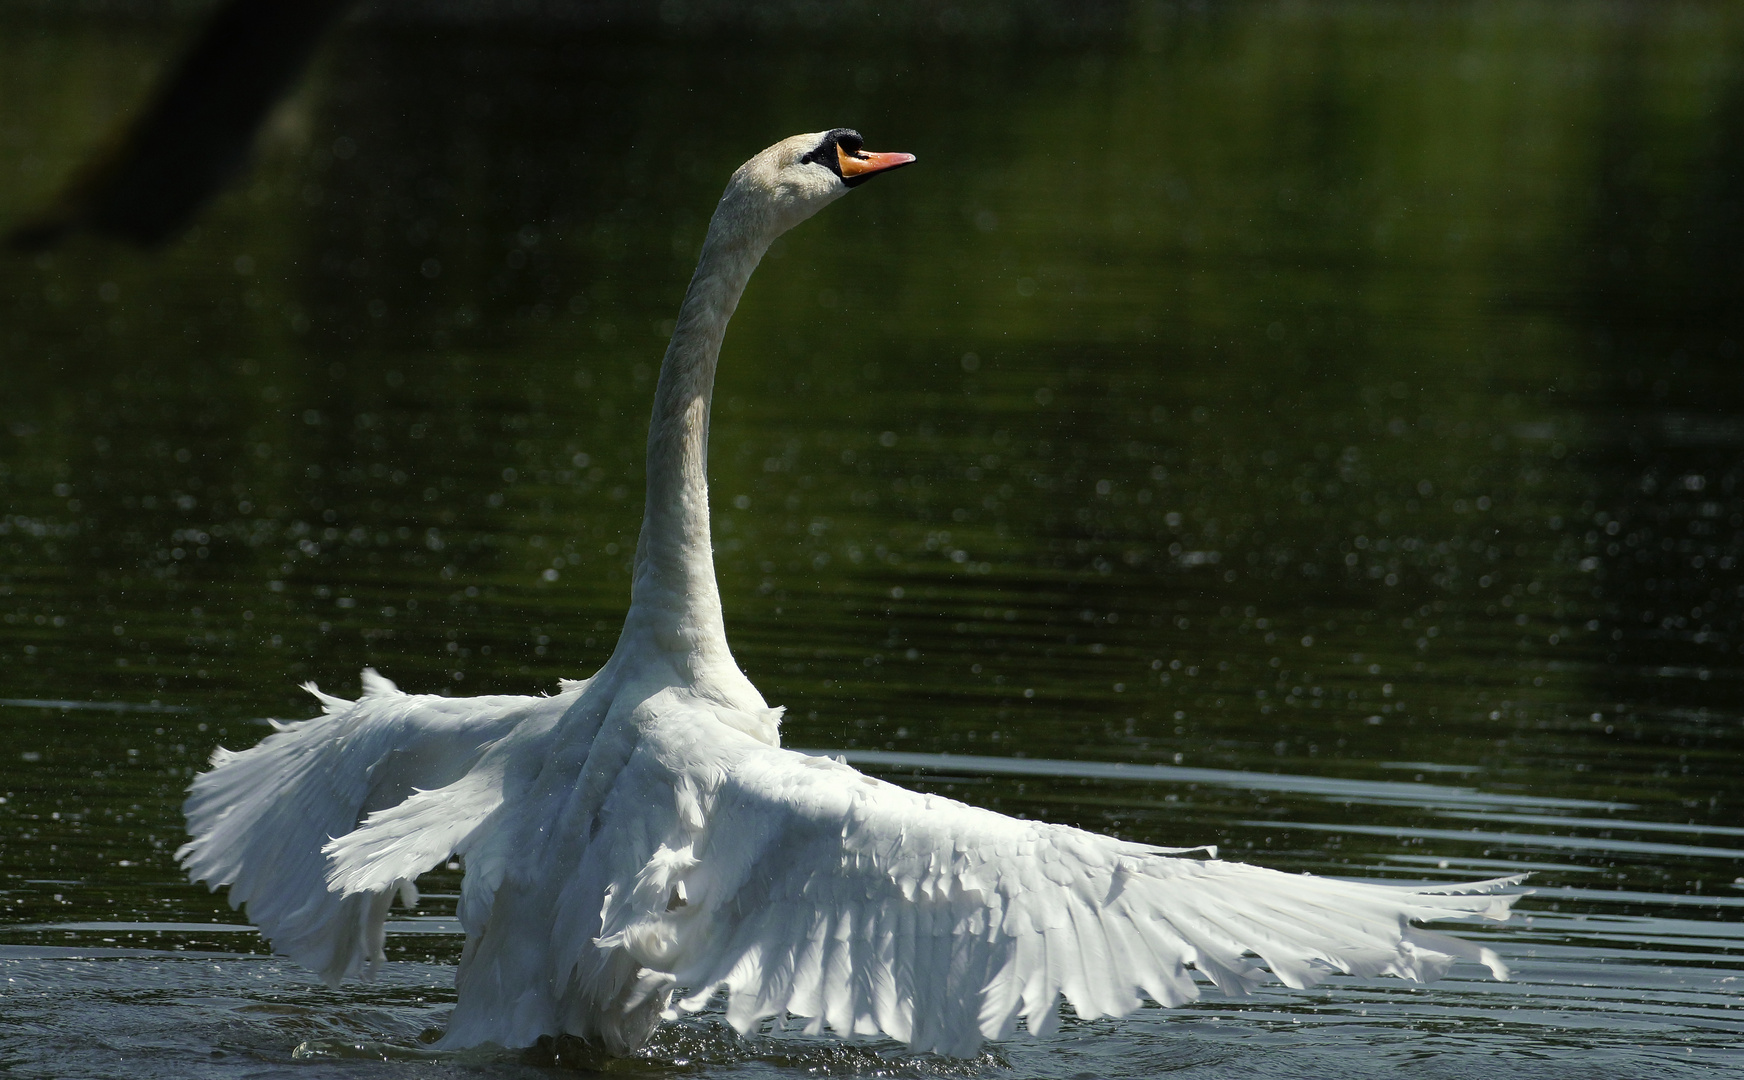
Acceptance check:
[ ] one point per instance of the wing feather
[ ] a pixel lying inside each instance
(260, 818)
(821, 893)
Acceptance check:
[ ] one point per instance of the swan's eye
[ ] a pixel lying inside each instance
(823, 155)
(839, 144)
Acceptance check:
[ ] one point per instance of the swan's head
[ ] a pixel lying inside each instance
(797, 177)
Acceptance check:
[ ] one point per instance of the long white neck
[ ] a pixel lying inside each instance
(673, 597)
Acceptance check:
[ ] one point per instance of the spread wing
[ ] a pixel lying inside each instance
(260, 818)
(802, 887)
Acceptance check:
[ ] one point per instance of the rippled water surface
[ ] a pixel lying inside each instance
(1313, 430)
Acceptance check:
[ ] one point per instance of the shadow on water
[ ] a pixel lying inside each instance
(1308, 431)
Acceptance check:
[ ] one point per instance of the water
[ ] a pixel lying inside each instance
(1312, 431)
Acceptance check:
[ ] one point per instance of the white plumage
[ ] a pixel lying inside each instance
(640, 842)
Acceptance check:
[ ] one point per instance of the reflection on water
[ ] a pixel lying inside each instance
(1309, 431)
(1371, 792)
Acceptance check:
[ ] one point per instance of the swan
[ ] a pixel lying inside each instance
(639, 842)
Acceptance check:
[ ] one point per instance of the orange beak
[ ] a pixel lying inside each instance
(862, 166)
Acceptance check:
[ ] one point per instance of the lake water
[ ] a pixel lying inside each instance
(1314, 430)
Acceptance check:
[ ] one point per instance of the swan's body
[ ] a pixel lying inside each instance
(643, 834)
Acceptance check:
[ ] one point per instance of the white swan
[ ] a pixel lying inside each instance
(641, 836)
